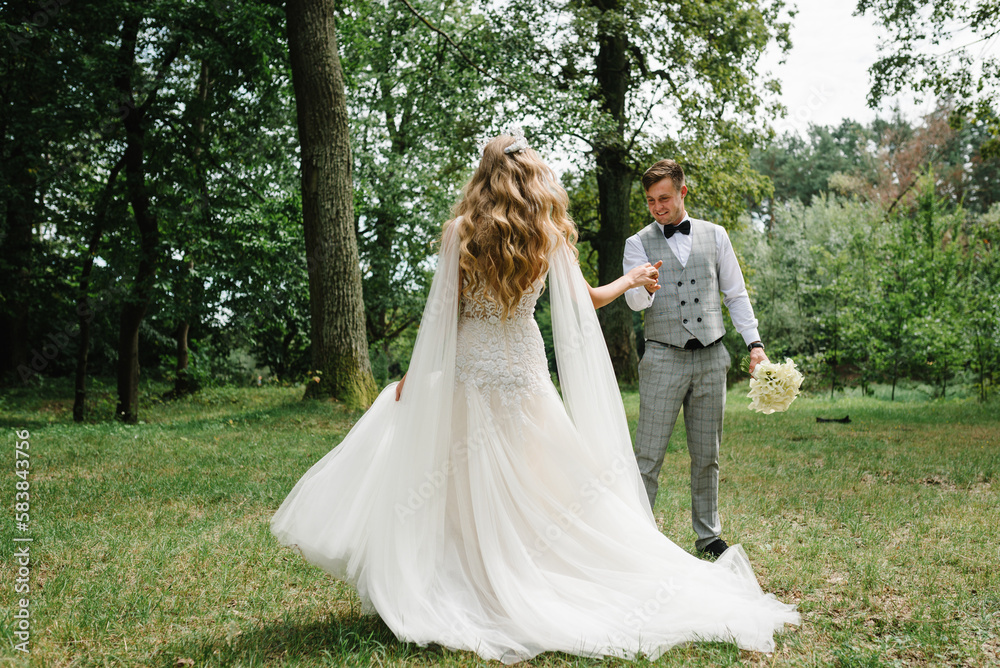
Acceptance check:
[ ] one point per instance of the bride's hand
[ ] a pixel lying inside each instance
(647, 275)
(399, 387)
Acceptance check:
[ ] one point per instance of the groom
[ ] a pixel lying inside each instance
(684, 363)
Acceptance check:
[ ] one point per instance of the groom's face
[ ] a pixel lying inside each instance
(665, 202)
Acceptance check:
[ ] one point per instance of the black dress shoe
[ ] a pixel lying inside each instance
(715, 548)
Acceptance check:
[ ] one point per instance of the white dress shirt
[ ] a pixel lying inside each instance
(734, 289)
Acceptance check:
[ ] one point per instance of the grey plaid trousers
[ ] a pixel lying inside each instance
(670, 378)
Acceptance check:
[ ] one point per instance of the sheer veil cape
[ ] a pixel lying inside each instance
(385, 509)
(384, 541)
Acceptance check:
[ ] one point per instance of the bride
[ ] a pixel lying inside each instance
(479, 510)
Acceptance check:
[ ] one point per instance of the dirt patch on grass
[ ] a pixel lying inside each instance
(940, 481)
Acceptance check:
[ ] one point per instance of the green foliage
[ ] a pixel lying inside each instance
(212, 88)
(265, 287)
(801, 168)
(872, 260)
(870, 249)
(212, 85)
(417, 108)
(981, 299)
(880, 162)
(936, 47)
(861, 298)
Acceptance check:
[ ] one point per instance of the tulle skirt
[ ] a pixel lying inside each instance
(518, 541)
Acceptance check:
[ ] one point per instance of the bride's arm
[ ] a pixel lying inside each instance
(646, 275)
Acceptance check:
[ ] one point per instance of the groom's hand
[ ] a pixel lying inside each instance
(756, 357)
(656, 278)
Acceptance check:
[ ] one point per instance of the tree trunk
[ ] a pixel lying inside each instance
(614, 183)
(135, 303)
(895, 375)
(84, 313)
(182, 381)
(616, 317)
(339, 342)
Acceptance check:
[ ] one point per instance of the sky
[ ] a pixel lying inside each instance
(825, 78)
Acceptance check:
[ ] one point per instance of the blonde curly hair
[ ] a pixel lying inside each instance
(506, 219)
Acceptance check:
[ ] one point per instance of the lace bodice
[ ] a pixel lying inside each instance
(480, 307)
(501, 355)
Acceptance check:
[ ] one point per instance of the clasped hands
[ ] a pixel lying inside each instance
(646, 275)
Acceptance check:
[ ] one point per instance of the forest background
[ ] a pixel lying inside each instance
(172, 190)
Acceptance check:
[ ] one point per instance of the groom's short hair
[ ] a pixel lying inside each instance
(662, 170)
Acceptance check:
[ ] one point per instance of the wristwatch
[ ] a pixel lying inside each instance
(755, 344)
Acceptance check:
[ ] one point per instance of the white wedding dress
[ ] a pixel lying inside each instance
(483, 512)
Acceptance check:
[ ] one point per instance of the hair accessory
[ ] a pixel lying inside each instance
(517, 132)
(520, 142)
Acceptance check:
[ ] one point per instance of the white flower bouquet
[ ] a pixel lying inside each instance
(773, 387)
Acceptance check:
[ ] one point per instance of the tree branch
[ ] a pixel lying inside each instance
(401, 328)
(901, 194)
(100, 212)
(457, 48)
(167, 62)
(586, 235)
(653, 99)
(586, 141)
(662, 75)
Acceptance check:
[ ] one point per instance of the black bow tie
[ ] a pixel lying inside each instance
(683, 228)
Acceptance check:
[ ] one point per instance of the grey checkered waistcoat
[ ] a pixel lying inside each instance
(688, 302)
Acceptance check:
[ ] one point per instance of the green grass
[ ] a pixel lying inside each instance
(151, 542)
